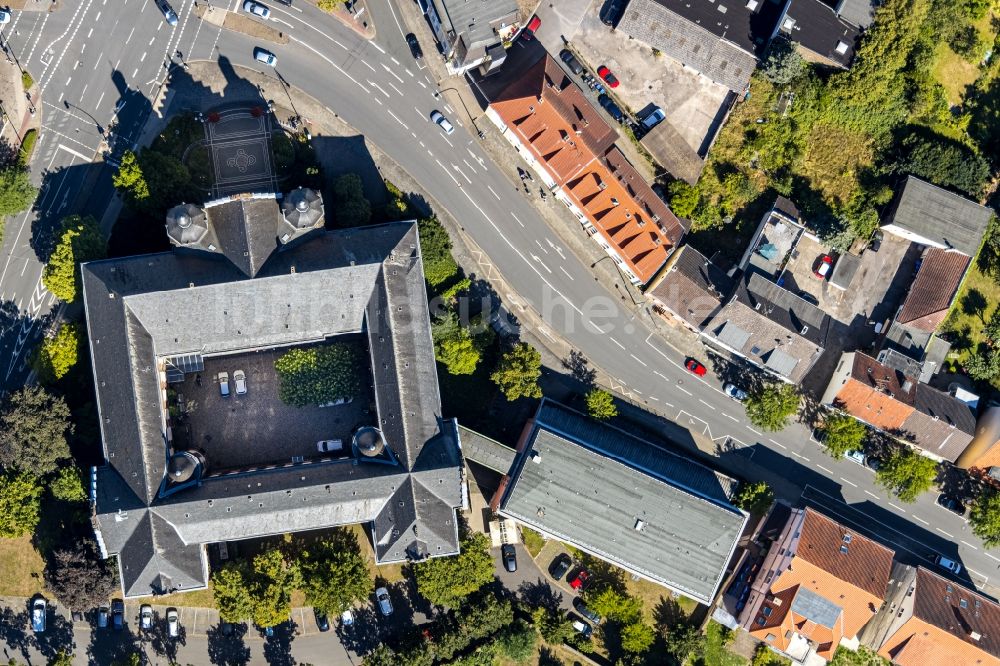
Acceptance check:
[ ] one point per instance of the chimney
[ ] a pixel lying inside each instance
(975, 635)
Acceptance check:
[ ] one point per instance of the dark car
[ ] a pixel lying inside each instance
(611, 107)
(582, 609)
(509, 557)
(951, 503)
(321, 621)
(809, 298)
(415, 49)
(608, 77)
(574, 65)
(873, 463)
(117, 614)
(560, 566)
(611, 12)
(876, 242)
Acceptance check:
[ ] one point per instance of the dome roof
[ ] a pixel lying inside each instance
(182, 466)
(186, 224)
(369, 442)
(303, 208)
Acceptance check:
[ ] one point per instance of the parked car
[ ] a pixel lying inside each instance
(4, 17)
(257, 9)
(384, 602)
(582, 609)
(876, 242)
(102, 617)
(39, 609)
(947, 564)
(653, 118)
(168, 15)
(735, 392)
(414, 45)
(823, 267)
(610, 106)
(560, 565)
(574, 65)
(608, 77)
(268, 631)
(581, 626)
(952, 503)
(856, 457)
(579, 579)
(173, 623)
(873, 463)
(224, 384)
(322, 623)
(227, 628)
(240, 378)
(694, 366)
(509, 557)
(264, 56)
(146, 617)
(529, 30)
(442, 122)
(347, 618)
(330, 446)
(117, 614)
(611, 12)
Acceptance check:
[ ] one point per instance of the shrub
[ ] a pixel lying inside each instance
(318, 375)
(435, 252)
(27, 147)
(26, 80)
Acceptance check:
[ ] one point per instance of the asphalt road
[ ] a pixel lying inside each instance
(97, 57)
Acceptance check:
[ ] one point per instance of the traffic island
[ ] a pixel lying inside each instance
(238, 22)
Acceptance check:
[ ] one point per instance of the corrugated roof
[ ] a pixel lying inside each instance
(942, 218)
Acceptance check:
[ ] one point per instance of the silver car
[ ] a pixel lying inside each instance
(442, 122)
(39, 610)
(265, 56)
(146, 617)
(384, 603)
(240, 378)
(257, 9)
(173, 623)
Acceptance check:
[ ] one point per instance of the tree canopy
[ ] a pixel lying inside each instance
(842, 433)
(57, 355)
(130, 181)
(33, 430)
(944, 162)
(67, 486)
(320, 374)
(906, 473)
(518, 372)
(435, 252)
(230, 588)
(985, 518)
(446, 581)
(20, 504)
(80, 240)
(754, 496)
(79, 577)
(352, 208)
(783, 63)
(770, 406)
(601, 404)
(454, 346)
(334, 574)
(16, 190)
(259, 590)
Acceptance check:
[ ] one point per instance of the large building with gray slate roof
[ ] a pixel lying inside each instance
(156, 322)
(655, 513)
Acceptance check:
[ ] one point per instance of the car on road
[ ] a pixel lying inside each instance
(823, 267)
(808, 298)
(949, 565)
(610, 106)
(560, 565)
(608, 77)
(257, 9)
(384, 602)
(240, 378)
(442, 122)
(579, 579)
(873, 463)
(509, 557)
(146, 617)
(168, 15)
(529, 30)
(4, 17)
(264, 56)
(224, 384)
(735, 392)
(856, 457)
(330, 446)
(574, 65)
(117, 614)
(39, 609)
(173, 623)
(695, 367)
(322, 623)
(612, 11)
(952, 503)
(414, 45)
(582, 609)
(102, 617)
(347, 618)
(581, 626)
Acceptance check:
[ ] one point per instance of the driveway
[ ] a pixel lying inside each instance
(531, 581)
(560, 21)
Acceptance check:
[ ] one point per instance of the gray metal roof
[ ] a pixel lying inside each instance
(812, 606)
(844, 270)
(780, 362)
(859, 12)
(733, 336)
(485, 451)
(942, 218)
(634, 504)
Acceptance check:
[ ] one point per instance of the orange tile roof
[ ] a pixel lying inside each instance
(866, 564)
(875, 394)
(918, 643)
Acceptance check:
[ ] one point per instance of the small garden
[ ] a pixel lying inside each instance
(321, 374)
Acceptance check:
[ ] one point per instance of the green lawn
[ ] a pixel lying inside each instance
(977, 300)
(717, 640)
(953, 71)
(533, 541)
(863, 657)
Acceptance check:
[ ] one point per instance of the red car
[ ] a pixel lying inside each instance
(529, 30)
(579, 579)
(695, 367)
(824, 266)
(608, 77)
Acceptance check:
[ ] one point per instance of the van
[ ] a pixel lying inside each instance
(947, 564)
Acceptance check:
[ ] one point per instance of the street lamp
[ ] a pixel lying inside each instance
(462, 100)
(624, 279)
(100, 129)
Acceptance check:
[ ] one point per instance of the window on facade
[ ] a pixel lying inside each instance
(761, 620)
(766, 612)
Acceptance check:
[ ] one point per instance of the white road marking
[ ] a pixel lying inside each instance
(828, 471)
(756, 432)
(850, 483)
(456, 168)
(386, 68)
(365, 63)
(472, 168)
(494, 194)
(396, 89)
(730, 417)
(709, 405)
(640, 361)
(377, 87)
(783, 446)
(616, 342)
(896, 506)
(73, 152)
(920, 519)
(397, 119)
(991, 556)
(337, 67)
(446, 140)
(870, 493)
(681, 388)
(278, 20)
(942, 531)
(518, 221)
(969, 545)
(394, 60)
(567, 274)
(799, 455)
(448, 172)
(422, 84)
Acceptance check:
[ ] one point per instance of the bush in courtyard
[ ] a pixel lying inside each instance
(317, 375)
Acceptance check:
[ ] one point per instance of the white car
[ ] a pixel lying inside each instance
(240, 378)
(265, 56)
(439, 118)
(146, 617)
(224, 384)
(257, 9)
(330, 446)
(856, 456)
(347, 618)
(38, 612)
(173, 623)
(735, 392)
(384, 603)
(4, 17)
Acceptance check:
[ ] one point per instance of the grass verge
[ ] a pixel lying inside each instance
(22, 568)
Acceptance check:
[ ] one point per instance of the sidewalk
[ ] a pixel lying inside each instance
(17, 119)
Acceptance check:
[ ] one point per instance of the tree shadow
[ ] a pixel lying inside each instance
(15, 630)
(363, 636)
(278, 647)
(58, 636)
(160, 641)
(540, 594)
(668, 613)
(974, 304)
(228, 650)
(547, 657)
(579, 368)
(107, 646)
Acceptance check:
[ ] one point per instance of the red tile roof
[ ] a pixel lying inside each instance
(931, 294)
(866, 564)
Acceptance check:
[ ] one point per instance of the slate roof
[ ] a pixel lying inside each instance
(941, 424)
(485, 451)
(940, 218)
(472, 22)
(931, 294)
(592, 483)
(818, 28)
(938, 602)
(692, 287)
(141, 309)
(722, 45)
(858, 12)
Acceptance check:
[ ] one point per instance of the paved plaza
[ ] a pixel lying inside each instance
(240, 145)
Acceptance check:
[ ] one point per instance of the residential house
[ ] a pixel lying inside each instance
(691, 289)
(653, 512)
(931, 216)
(818, 585)
(826, 31)
(774, 241)
(888, 399)
(983, 453)
(472, 33)
(720, 39)
(934, 289)
(770, 327)
(547, 118)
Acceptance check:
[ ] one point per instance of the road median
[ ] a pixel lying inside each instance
(239, 23)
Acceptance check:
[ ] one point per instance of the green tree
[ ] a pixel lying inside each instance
(783, 63)
(16, 190)
(20, 504)
(454, 346)
(446, 581)
(985, 518)
(983, 364)
(130, 181)
(335, 574)
(518, 372)
(906, 473)
(62, 658)
(33, 430)
(435, 252)
(637, 637)
(684, 642)
(517, 642)
(80, 240)
(683, 198)
(352, 208)
(271, 587)
(754, 496)
(318, 375)
(552, 625)
(169, 182)
(231, 591)
(79, 577)
(601, 404)
(944, 162)
(770, 406)
(842, 433)
(67, 486)
(57, 355)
